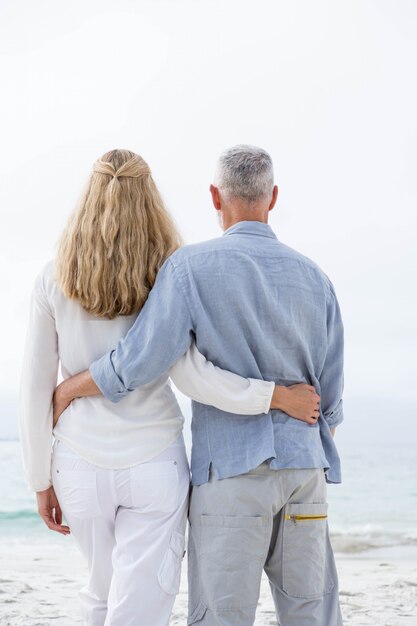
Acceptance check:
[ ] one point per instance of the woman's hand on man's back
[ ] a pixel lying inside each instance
(298, 401)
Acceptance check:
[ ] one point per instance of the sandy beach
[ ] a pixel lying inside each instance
(39, 585)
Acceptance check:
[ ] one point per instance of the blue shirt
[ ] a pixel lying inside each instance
(259, 309)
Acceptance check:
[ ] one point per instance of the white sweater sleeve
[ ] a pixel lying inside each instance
(39, 377)
(204, 382)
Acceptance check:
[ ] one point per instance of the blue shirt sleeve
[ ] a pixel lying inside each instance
(160, 335)
(331, 379)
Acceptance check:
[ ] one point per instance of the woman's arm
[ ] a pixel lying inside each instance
(204, 382)
(39, 377)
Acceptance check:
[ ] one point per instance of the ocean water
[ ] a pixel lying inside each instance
(375, 506)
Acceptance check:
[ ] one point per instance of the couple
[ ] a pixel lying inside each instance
(246, 327)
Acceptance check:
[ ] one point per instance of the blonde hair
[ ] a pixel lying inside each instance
(116, 241)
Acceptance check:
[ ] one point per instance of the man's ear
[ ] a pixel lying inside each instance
(274, 198)
(215, 196)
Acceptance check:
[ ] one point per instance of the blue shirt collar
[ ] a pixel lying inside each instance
(251, 228)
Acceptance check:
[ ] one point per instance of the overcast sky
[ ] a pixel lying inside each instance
(327, 87)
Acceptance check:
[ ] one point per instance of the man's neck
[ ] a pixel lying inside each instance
(231, 218)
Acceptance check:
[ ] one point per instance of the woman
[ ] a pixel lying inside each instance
(119, 473)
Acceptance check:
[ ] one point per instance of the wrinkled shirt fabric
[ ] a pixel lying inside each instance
(255, 307)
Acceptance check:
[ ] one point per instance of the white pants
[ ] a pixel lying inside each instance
(130, 526)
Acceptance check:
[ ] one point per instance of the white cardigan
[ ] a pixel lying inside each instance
(109, 435)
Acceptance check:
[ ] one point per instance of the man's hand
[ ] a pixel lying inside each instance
(60, 401)
(77, 386)
(50, 511)
(298, 401)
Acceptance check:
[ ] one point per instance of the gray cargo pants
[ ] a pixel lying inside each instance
(266, 519)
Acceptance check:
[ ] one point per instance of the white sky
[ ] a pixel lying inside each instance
(328, 87)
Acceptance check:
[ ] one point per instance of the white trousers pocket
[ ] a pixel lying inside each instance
(154, 486)
(77, 492)
(169, 574)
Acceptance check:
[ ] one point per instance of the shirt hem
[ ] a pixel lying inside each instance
(271, 459)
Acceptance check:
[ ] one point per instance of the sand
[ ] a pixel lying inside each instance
(39, 584)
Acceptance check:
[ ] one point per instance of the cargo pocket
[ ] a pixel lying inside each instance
(169, 574)
(77, 492)
(198, 614)
(232, 553)
(304, 551)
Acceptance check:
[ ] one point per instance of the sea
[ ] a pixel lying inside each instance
(375, 506)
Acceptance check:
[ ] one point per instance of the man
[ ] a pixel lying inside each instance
(260, 309)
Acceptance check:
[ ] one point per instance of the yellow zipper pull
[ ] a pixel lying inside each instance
(304, 518)
(291, 518)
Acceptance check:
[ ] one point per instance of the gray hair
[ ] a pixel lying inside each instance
(245, 172)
